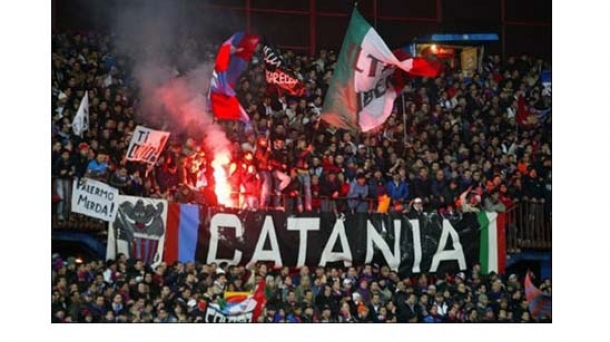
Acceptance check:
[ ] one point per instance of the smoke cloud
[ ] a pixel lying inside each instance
(171, 66)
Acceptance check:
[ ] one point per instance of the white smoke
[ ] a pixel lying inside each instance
(168, 69)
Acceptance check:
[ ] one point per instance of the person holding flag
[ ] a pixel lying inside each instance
(363, 86)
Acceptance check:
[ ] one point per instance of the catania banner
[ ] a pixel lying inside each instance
(431, 243)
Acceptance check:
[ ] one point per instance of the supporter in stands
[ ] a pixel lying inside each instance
(358, 192)
(98, 167)
(466, 141)
(398, 190)
(63, 170)
(492, 202)
(185, 290)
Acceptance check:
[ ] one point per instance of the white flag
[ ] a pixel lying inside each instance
(81, 120)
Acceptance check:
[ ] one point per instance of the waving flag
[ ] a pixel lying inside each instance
(528, 116)
(231, 61)
(80, 123)
(539, 303)
(239, 307)
(362, 91)
(278, 74)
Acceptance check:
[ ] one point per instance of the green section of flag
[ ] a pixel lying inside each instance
(340, 106)
(484, 247)
(221, 302)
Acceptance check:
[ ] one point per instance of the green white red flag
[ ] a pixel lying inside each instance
(361, 93)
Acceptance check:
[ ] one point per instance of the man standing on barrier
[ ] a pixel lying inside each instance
(303, 153)
(358, 191)
(250, 185)
(277, 163)
(262, 156)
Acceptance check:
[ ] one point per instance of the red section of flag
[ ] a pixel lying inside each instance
(223, 57)
(423, 67)
(225, 107)
(501, 224)
(531, 291)
(245, 48)
(261, 300)
(539, 303)
(170, 255)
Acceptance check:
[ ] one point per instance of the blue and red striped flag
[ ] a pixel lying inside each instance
(182, 233)
(231, 61)
(539, 303)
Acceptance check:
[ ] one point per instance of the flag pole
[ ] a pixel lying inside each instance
(404, 117)
(315, 130)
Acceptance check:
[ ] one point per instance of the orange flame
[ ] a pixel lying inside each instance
(222, 187)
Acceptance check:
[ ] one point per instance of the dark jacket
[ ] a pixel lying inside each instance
(533, 187)
(406, 313)
(62, 168)
(422, 187)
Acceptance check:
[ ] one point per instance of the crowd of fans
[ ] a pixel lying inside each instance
(446, 136)
(130, 291)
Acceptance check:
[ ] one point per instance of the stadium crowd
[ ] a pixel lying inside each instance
(130, 291)
(446, 136)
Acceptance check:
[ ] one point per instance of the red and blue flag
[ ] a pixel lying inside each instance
(231, 61)
(182, 233)
(539, 303)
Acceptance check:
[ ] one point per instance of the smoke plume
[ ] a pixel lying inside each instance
(171, 63)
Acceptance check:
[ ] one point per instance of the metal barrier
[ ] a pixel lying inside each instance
(528, 224)
(72, 220)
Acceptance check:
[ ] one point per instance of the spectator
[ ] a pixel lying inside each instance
(120, 179)
(422, 186)
(302, 166)
(98, 167)
(417, 209)
(344, 190)
(329, 191)
(63, 170)
(185, 195)
(358, 192)
(397, 190)
(471, 138)
(294, 191)
(493, 202)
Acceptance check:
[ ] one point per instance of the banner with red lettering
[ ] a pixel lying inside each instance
(278, 74)
(146, 145)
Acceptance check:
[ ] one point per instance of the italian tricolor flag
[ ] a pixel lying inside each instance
(363, 88)
(492, 252)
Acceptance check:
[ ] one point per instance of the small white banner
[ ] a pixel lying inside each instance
(95, 199)
(146, 145)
